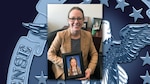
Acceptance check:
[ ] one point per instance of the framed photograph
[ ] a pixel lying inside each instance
(73, 65)
(96, 23)
(84, 25)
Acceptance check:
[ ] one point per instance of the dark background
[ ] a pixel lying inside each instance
(13, 13)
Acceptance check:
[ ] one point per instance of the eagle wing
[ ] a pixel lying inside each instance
(133, 38)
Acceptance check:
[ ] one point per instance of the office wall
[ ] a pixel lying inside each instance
(57, 14)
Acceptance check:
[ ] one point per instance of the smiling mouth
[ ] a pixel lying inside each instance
(76, 25)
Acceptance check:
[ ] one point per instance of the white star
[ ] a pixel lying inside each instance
(121, 4)
(105, 2)
(146, 59)
(86, 2)
(146, 78)
(42, 79)
(136, 14)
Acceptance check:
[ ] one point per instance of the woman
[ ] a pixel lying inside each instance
(73, 39)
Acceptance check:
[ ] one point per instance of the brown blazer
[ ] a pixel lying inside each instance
(62, 44)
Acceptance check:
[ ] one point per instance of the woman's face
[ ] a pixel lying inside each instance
(73, 62)
(75, 20)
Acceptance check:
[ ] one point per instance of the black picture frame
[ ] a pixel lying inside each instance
(84, 25)
(96, 23)
(67, 65)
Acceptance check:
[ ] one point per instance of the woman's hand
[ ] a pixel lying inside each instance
(87, 75)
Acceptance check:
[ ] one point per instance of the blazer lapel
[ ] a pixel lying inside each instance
(83, 41)
(68, 41)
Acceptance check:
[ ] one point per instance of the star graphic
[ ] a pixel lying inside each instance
(42, 79)
(121, 4)
(146, 59)
(136, 14)
(146, 78)
(105, 2)
(86, 2)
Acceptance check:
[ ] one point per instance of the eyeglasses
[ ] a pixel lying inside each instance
(73, 19)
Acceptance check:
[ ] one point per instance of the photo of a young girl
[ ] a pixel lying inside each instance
(73, 66)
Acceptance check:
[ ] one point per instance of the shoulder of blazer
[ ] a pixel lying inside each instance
(86, 33)
(63, 32)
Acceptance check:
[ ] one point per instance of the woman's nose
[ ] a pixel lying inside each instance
(76, 21)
